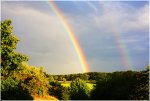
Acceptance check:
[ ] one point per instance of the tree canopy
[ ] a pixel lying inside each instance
(18, 79)
(10, 59)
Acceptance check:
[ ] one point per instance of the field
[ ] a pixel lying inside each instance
(67, 84)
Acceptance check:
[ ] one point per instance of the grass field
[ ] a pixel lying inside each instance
(90, 85)
(67, 84)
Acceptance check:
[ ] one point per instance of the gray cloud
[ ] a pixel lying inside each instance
(97, 32)
(44, 39)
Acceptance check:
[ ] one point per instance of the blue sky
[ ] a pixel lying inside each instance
(44, 40)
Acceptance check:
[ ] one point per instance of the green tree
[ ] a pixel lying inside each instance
(55, 89)
(18, 80)
(141, 88)
(10, 89)
(10, 59)
(79, 90)
(84, 77)
(128, 85)
(50, 78)
(55, 77)
(72, 76)
(64, 80)
(65, 94)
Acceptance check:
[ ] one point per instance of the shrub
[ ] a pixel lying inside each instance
(79, 90)
(65, 94)
(55, 89)
(11, 90)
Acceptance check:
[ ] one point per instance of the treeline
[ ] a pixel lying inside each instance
(84, 76)
(19, 81)
(129, 85)
(121, 85)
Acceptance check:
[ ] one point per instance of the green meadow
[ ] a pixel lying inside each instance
(67, 84)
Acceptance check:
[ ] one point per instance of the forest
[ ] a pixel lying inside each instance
(20, 81)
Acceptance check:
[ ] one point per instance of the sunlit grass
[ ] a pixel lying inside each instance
(90, 85)
(67, 84)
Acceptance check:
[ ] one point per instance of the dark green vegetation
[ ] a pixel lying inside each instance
(79, 89)
(122, 86)
(19, 81)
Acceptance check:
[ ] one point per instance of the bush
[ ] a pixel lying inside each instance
(55, 89)
(79, 90)
(59, 91)
(11, 90)
(65, 94)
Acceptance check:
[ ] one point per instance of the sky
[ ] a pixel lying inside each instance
(113, 35)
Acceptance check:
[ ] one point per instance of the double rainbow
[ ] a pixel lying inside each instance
(71, 34)
(117, 36)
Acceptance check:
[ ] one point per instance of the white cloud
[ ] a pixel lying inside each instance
(113, 17)
(138, 20)
(113, 14)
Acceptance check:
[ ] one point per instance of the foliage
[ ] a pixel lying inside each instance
(122, 86)
(56, 89)
(64, 80)
(84, 77)
(9, 58)
(11, 89)
(141, 88)
(65, 94)
(79, 90)
(32, 78)
(18, 80)
(59, 91)
(50, 78)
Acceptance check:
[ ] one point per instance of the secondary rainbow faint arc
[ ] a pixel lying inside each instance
(122, 48)
(72, 37)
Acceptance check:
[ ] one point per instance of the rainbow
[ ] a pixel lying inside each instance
(121, 46)
(71, 34)
(126, 61)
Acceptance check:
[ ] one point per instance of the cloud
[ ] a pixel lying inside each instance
(113, 17)
(115, 21)
(41, 40)
(92, 6)
(125, 17)
(96, 26)
(138, 20)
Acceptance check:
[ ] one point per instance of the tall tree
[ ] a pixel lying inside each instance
(10, 59)
(19, 81)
